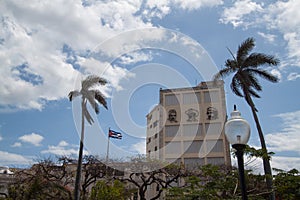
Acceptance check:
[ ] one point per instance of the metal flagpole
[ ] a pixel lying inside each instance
(107, 152)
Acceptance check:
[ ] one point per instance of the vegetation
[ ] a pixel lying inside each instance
(89, 93)
(55, 180)
(246, 68)
(111, 190)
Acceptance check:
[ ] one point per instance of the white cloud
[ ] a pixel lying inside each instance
(276, 73)
(1, 138)
(33, 36)
(277, 141)
(16, 144)
(63, 143)
(140, 147)
(279, 162)
(197, 4)
(285, 163)
(280, 16)
(112, 73)
(159, 8)
(63, 149)
(241, 9)
(135, 57)
(32, 138)
(293, 76)
(269, 37)
(7, 158)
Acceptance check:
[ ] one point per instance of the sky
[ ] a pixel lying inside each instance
(48, 47)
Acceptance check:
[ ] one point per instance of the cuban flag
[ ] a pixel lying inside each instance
(114, 134)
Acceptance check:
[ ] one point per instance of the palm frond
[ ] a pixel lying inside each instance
(100, 98)
(258, 59)
(265, 74)
(87, 115)
(234, 58)
(222, 73)
(92, 80)
(229, 63)
(73, 94)
(235, 86)
(253, 93)
(244, 49)
(90, 96)
(253, 81)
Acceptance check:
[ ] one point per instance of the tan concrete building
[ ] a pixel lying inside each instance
(187, 126)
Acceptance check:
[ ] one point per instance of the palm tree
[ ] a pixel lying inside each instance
(89, 93)
(245, 68)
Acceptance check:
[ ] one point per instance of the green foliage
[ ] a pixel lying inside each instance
(211, 183)
(287, 184)
(258, 153)
(109, 191)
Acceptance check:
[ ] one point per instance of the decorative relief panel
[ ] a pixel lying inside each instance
(192, 115)
(212, 113)
(172, 116)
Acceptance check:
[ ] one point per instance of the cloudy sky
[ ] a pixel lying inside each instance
(46, 48)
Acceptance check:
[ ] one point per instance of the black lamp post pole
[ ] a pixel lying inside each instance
(240, 157)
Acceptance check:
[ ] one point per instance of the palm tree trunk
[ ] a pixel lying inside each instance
(79, 164)
(266, 161)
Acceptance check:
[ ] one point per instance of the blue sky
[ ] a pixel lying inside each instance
(46, 47)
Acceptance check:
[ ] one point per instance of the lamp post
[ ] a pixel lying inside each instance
(237, 131)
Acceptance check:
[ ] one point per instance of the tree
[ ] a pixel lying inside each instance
(110, 191)
(44, 180)
(245, 68)
(207, 182)
(145, 174)
(89, 93)
(287, 184)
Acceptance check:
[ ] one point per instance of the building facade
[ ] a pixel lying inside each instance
(186, 127)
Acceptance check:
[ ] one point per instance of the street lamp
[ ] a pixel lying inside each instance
(237, 131)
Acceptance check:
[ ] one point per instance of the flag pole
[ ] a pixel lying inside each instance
(107, 152)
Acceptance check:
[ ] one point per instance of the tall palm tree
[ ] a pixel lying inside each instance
(245, 68)
(89, 93)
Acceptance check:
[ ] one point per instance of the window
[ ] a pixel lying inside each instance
(155, 136)
(214, 146)
(175, 161)
(155, 124)
(155, 148)
(194, 162)
(192, 130)
(171, 99)
(211, 96)
(172, 131)
(191, 98)
(192, 146)
(216, 161)
(213, 129)
(172, 148)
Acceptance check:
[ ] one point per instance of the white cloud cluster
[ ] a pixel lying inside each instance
(139, 147)
(63, 149)
(290, 132)
(32, 138)
(279, 162)
(33, 36)
(238, 13)
(279, 16)
(7, 158)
